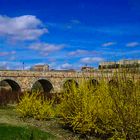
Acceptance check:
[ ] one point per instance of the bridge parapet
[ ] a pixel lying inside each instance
(50, 74)
(26, 79)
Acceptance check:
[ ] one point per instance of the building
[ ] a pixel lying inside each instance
(129, 63)
(40, 68)
(120, 64)
(87, 69)
(108, 65)
(68, 70)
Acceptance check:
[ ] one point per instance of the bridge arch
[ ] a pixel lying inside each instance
(68, 83)
(113, 83)
(93, 82)
(42, 85)
(10, 84)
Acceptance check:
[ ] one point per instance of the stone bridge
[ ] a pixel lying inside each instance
(51, 81)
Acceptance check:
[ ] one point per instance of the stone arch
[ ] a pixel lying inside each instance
(93, 82)
(113, 83)
(15, 87)
(70, 82)
(44, 85)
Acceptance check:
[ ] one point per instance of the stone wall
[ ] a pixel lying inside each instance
(26, 79)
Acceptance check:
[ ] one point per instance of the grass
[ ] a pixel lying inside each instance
(13, 128)
(10, 132)
(9, 121)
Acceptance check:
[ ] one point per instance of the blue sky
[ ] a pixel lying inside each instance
(68, 33)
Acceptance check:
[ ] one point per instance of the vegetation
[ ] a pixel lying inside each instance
(10, 132)
(104, 110)
(9, 117)
(109, 111)
(36, 106)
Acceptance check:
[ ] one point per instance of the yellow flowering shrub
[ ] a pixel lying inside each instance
(106, 111)
(34, 105)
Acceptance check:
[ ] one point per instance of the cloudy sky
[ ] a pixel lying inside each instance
(68, 33)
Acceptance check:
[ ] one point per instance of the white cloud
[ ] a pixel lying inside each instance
(46, 48)
(75, 21)
(27, 67)
(10, 65)
(13, 52)
(26, 27)
(107, 44)
(89, 60)
(78, 52)
(66, 66)
(133, 44)
(82, 52)
(12, 58)
(4, 53)
(7, 53)
(3, 65)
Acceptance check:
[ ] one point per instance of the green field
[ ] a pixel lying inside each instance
(10, 132)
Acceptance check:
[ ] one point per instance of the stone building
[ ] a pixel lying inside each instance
(129, 63)
(40, 68)
(120, 64)
(87, 69)
(108, 65)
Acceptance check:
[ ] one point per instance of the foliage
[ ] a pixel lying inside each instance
(36, 106)
(105, 110)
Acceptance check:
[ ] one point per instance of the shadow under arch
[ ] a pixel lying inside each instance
(130, 83)
(113, 83)
(42, 85)
(8, 84)
(93, 82)
(69, 84)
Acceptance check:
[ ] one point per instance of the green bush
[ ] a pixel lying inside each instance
(36, 106)
(105, 111)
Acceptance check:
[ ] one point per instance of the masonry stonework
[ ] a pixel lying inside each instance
(26, 79)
